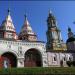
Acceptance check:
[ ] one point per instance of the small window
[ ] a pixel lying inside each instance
(69, 58)
(54, 58)
(64, 59)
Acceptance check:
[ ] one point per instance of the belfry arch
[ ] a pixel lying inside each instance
(33, 58)
(11, 57)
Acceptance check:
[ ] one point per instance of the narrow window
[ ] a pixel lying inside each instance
(64, 59)
(54, 58)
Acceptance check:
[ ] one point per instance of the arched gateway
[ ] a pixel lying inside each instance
(33, 58)
(12, 59)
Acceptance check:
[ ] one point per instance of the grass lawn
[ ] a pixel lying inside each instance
(39, 71)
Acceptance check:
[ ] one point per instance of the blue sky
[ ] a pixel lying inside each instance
(37, 13)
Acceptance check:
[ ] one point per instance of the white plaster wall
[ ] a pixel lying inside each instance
(16, 46)
(51, 61)
(47, 57)
(60, 56)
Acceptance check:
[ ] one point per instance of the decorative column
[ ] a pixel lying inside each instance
(20, 62)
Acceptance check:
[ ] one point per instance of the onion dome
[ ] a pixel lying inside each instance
(71, 37)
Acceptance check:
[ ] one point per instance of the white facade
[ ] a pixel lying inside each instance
(16, 46)
(55, 58)
(19, 48)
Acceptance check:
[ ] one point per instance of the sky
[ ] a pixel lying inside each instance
(37, 13)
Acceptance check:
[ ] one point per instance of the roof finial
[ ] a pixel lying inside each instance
(8, 11)
(25, 17)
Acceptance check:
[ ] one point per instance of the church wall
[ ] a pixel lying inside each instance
(19, 48)
(54, 58)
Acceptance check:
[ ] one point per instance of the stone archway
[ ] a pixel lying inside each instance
(33, 58)
(11, 58)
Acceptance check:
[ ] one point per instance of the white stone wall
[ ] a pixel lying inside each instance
(59, 56)
(21, 46)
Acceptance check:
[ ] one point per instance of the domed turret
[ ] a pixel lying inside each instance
(27, 33)
(7, 29)
(70, 36)
(71, 40)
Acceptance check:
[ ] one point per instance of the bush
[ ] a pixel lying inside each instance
(39, 71)
(73, 63)
(69, 63)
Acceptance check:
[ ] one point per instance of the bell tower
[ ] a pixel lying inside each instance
(54, 39)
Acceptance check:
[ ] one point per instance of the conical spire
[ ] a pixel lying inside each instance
(8, 17)
(26, 27)
(8, 26)
(26, 22)
(26, 30)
